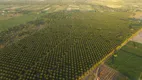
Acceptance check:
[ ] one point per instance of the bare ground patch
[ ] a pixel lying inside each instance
(104, 72)
(137, 38)
(136, 15)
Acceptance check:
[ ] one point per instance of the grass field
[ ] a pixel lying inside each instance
(3, 7)
(129, 60)
(5, 24)
(12, 16)
(17, 20)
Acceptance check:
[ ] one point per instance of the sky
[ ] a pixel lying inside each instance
(113, 1)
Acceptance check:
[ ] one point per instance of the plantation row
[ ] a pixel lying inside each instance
(65, 48)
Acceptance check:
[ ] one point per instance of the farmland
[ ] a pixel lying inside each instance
(58, 42)
(21, 14)
(129, 60)
(16, 15)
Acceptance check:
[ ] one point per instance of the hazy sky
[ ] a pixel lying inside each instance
(126, 1)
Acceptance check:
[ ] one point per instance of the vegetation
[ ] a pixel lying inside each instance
(129, 60)
(70, 44)
(12, 16)
(4, 24)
